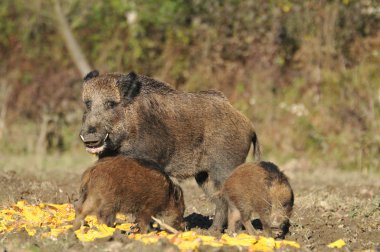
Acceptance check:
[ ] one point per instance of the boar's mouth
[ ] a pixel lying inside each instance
(94, 143)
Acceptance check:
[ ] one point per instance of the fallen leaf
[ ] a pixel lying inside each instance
(337, 244)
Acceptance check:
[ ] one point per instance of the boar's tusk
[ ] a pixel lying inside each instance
(106, 137)
(82, 137)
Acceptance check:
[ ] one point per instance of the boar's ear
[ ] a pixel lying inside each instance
(90, 75)
(177, 193)
(129, 86)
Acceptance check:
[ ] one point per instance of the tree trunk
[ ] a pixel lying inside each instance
(71, 43)
(4, 95)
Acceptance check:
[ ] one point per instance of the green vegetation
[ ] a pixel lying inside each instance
(305, 72)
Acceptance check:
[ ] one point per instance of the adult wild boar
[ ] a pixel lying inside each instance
(188, 134)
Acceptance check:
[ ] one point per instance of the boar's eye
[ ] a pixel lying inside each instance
(88, 104)
(111, 104)
(286, 204)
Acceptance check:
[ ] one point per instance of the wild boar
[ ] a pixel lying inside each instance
(259, 188)
(120, 184)
(189, 134)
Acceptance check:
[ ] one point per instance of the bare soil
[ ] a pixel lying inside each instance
(329, 204)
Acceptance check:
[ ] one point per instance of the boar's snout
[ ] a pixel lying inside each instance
(92, 140)
(280, 226)
(95, 143)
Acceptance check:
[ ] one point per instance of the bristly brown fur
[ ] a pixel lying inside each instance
(273, 173)
(186, 133)
(119, 184)
(259, 188)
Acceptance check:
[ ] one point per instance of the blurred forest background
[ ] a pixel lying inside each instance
(307, 73)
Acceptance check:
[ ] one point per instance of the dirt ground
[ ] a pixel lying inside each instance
(329, 204)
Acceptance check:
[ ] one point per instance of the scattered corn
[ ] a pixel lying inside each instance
(51, 220)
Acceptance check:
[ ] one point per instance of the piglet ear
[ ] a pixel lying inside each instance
(91, 75)
(129, 86)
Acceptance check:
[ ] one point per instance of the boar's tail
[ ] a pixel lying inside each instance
(256, 147)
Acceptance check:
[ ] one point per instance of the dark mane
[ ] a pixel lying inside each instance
(151, 85)
(148, 85)
(273, 173)
(212, 92)
(269, 167)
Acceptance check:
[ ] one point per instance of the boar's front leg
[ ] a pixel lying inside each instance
(143, 220)
(265, 220)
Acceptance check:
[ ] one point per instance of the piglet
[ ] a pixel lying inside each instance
(259, 188)
(129, 186)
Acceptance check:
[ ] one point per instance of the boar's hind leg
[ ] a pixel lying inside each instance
(246, 220)
(233, 217)
(107, 214)
(211, 188)
(88, 207)
(220, 218)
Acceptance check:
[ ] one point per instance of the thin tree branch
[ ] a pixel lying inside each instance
(165, 226)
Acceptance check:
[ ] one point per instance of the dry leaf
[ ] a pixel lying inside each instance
(337, 244)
